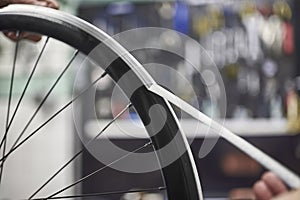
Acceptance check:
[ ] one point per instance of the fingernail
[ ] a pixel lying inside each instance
(42, 3)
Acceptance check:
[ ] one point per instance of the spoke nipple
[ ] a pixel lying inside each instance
(76, 53)
(148, 144)
(18, 33)
(161, 188)
(104, 74)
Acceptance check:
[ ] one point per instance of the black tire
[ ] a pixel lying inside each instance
(181, 177)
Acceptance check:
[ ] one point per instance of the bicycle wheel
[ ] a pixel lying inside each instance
(181, 178)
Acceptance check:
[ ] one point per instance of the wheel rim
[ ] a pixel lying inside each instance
(63, 27)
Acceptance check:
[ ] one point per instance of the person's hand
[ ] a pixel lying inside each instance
(269, 186)
(292, 195)
(24, 35)
(45, 3)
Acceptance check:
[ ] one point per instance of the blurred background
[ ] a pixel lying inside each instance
(255, 47)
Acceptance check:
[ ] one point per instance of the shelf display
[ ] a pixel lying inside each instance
(251, 44)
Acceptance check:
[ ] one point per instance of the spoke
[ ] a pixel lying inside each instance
(51, 118)
(99, 170)
(44, 99)
(9, 100)
(26, 87)
(81, 151)
(159, 189)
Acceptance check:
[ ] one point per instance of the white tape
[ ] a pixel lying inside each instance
(290, 178)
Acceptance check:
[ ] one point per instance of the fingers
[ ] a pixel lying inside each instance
(52, 3)
(32, 37)
(44, 3)
(269, 186)
(274, 183)
(293, 195)
(261, 191)
(4, 3)
(11, 35)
